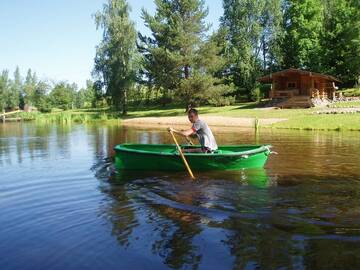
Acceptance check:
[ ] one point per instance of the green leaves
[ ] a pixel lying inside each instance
(63, 96)
(341, 40)
(303, 28)
(254, 35)
(180, 57)
(115, 59)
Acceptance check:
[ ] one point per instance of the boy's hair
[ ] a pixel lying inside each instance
(192, 110)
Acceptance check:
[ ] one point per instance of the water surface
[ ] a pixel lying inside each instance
(64, 207)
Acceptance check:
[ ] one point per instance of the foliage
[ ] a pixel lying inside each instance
(13, 95)
(40, 98)
(4, 86)
(256, 94)
(116, 54)
(352, 92)
(86, 97)
(341, 40)
(63, 95)
(217, 95)
(182, 63)
(179, 59)
(254, 33)
(303, 25)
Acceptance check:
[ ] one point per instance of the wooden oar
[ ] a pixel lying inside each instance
(182, 156)
(189, 140)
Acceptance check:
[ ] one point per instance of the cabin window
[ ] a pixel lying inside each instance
(291, 85)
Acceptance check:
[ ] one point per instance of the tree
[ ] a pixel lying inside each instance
(303, 24)
(272, 35)
(40, 98)
(4, 88)
(86, 97)
(13, 96)
(29, 88)
(254, 33)
(341, 40)
(116, 55)
(174, 59)
(63, 95)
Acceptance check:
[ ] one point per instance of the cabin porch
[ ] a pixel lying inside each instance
(300, 86)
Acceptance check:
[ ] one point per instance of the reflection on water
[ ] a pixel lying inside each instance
(65, 207)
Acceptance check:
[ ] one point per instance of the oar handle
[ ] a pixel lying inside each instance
(182, 155)
(189, 140)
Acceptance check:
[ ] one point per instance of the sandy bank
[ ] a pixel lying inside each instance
(217, 121)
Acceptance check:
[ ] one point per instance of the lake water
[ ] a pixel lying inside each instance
(62, 206)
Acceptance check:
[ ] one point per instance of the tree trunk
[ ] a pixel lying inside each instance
(186, 72)
(264, 53)
(124, 110)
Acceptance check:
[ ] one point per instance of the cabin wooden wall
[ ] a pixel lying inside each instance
(304, 83)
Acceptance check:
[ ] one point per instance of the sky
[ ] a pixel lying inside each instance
(57, 38)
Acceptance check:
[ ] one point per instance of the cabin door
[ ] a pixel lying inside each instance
(304, 86)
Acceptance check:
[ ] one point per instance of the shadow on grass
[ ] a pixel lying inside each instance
(250, 105)
(153, 114)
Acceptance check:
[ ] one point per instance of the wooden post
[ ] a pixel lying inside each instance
(273, 89)
(257, 126)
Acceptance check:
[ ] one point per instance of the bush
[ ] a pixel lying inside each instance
(222, 101)
(353, 92)
(164, 100)
(256, 94)
(217, 95)
(265, 89)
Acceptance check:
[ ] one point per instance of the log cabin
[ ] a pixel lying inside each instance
(296, 87)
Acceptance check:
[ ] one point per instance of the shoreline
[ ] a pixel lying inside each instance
(229, 116)
(216, 121)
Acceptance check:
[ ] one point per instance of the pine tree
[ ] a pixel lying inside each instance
(116, 55)
(174, 59)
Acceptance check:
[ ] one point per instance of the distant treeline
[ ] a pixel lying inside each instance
(181, 62)
(31, 93)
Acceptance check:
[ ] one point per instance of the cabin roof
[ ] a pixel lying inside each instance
(268, 78)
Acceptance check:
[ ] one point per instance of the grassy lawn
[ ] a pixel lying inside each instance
(296, 118)
(322, 122)
(239, 110)
(346, 104)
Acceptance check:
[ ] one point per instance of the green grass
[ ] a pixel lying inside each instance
(239, 110)
(303, 119)
(65, 117)
(351, 92)
(322, 122)
(346, 104)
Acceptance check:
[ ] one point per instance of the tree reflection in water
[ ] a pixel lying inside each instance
(244, 220)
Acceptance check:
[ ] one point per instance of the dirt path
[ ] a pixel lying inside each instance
(219, 121)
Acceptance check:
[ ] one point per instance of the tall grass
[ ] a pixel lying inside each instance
(68, 117)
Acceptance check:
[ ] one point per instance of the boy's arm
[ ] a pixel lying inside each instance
(184, 133)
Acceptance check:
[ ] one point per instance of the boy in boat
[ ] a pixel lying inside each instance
(203, 132)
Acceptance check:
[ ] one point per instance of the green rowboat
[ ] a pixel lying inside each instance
(165, 157)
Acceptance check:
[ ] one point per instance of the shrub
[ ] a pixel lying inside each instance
(256, 94)
(217, 95)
